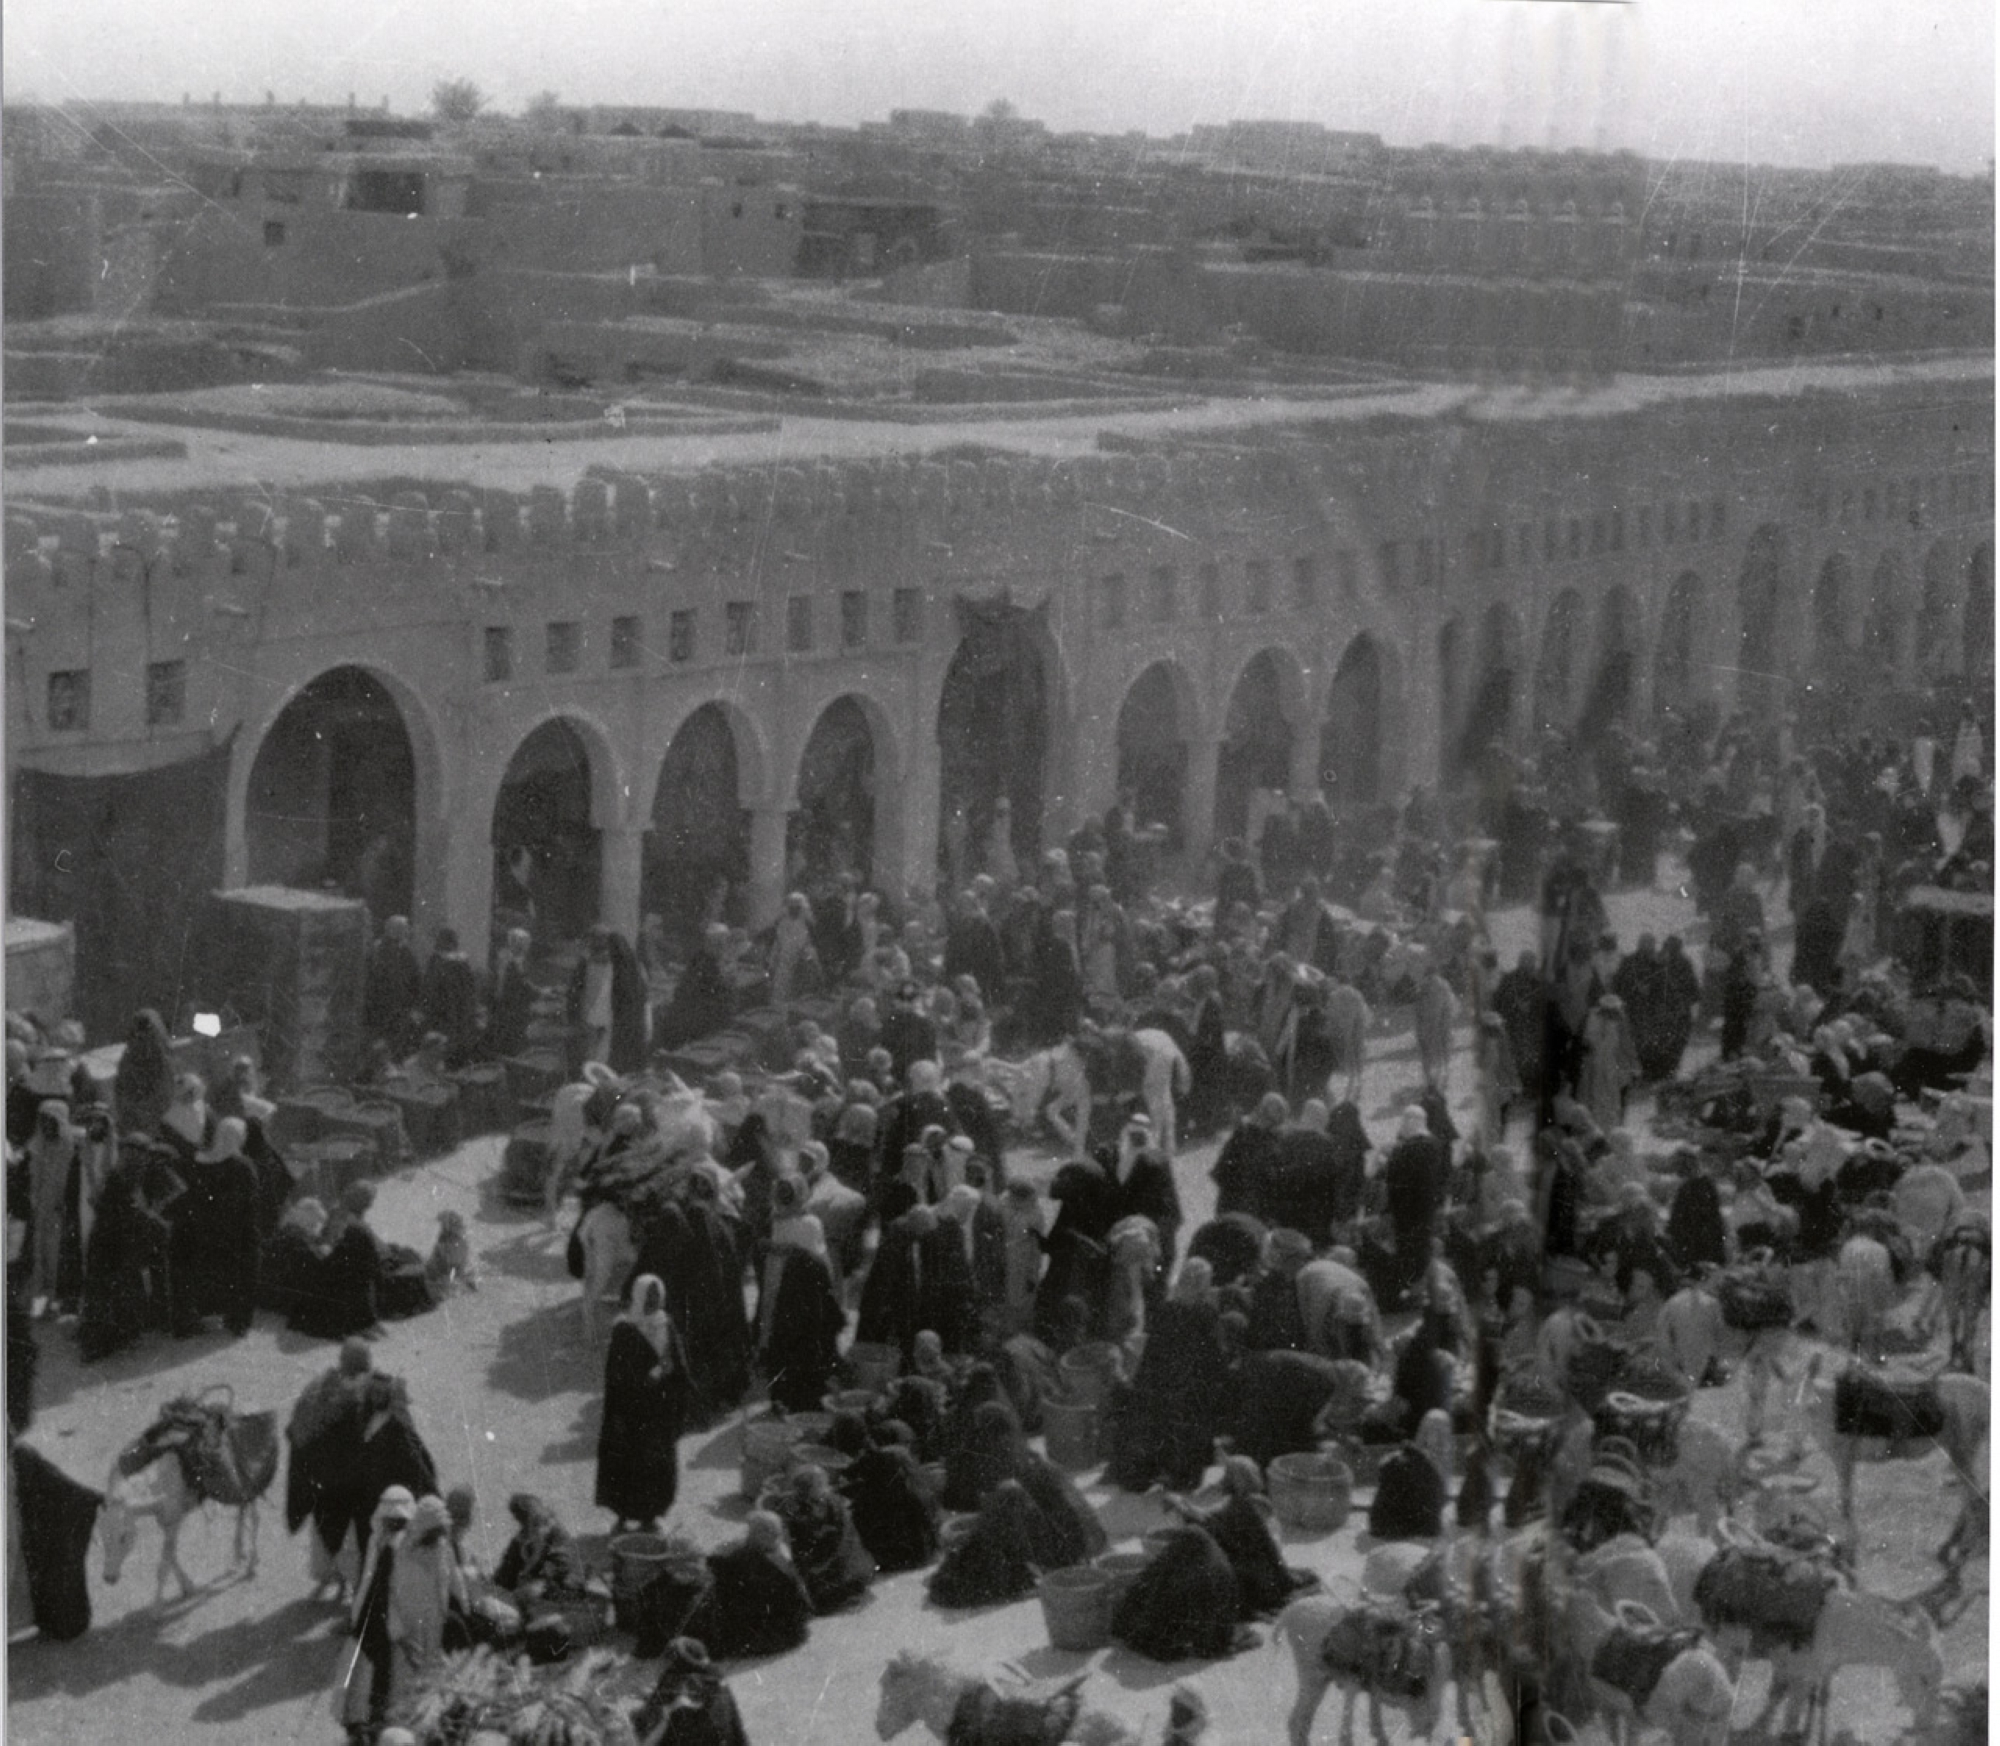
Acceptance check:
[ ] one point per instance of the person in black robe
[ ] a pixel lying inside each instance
(125, 1265)
(646, 1391)
(888, 1314)
(1142, 1186)
(1680, 1000)
(947, 1298)
(1185, 1605)
(895, 1511)
(689, 1705)
(215, 1237)
(1233, 1247)
(391, 1452)
(1410, 1491)
(608, 984)
(393, 991)
(972, 946)
(144, 1085)
(1311, 1186)
(1413, 1182)
(1241, 1526)
(1739, 998)
(1697, 1235)
(449, 998)
(371, 1684)
(827, 1549)
(23, 1100)
(1079, 1256)
(995, 1562)
(702, 1000)
(704, 1267)
(1207, 1053)
(1248, 1159)
(909, 1034)
(979, 1446)
(1521, 998)
(757, 1604)
(348, 1300)
(921, 1404)
(799, 1321)
(1052, 1002)
(1164, 1424)
(55, 1521)
(323, 1437)
(1065, 1529)
(1274, 1401)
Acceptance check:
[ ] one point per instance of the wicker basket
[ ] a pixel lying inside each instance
(1311, 1493)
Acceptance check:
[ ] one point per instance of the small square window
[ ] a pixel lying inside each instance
(1257, 586)
(69, 701)
(854, 619)
(1111, 593)
(1211, 591)
(499, 653)
(1389, 557)
(1166, 601)
(166, 693)
(274, 233)
(1305, 584)
(739, 627)
(565, 645)
(680, 636)
(624, 642)
(906, 607)
(799, 624)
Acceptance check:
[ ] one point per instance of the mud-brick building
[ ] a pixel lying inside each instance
(603, 693)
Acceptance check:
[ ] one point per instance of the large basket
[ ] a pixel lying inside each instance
(485, 1106)
(524, 1165)
(1069, 1431)
(1077, 1607)
(636, 1561)
(1311, 1493)
(767, 1452)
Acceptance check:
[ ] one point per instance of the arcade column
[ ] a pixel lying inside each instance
(767, 865)
(464, 893)
(1198, 802)
(621, 852)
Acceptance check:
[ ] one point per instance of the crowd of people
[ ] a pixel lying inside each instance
(865, 1200)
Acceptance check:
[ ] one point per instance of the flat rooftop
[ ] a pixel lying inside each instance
(222, 459)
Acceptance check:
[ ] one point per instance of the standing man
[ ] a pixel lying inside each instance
(511, 1003)
(394, 989)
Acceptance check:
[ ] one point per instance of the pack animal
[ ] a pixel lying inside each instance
(1400, 1656)
(956, 1705)
(1646, 1675)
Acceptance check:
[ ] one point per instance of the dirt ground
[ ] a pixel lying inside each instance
(506, 1393)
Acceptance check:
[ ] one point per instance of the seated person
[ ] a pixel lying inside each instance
(827, 1552)
(346, 1291)
(895, 1510)
(978, 1452)
(288, 1276)
(690, 1706)
(1164, 1425)
(1184, 1605)
(1241, 1526)
(1423, 1380)
(996, 1561)
(758, 1604)
(541, 1561)
(1410, 1492)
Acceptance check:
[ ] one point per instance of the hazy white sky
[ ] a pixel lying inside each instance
(1785, 81)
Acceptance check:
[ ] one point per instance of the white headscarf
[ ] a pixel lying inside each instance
(654, 1323)
(393, 1511)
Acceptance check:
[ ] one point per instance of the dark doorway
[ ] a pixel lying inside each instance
(1152, 752)
(833, 830)
(993, 721)
(545, 847)
(1256, 751)
(699, 844)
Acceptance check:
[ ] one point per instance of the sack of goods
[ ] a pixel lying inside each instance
(1765, 1589)
(1384, 1648)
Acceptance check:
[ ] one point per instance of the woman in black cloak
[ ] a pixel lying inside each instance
(757, 1604)
(1185, 1605)
(348, 1299)
(1164, 1425)
(1208, 1055)
(1079, 1256)
(689, 1247)
(800, 1319)
(144, 1085)
(975, 1460)
(215, 1241)
(690, 1706)
(889, 1309)
(1066, 1530)
(1241, 1526)
(995, 1563)
(646, 1392)
(1410, 1493)
(125, 1263)
(827, 1550)
(895, 1510)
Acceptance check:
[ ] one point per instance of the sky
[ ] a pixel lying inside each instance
(1809, 82)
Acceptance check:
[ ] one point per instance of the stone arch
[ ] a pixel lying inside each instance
(846, 812)
(1884, 637)
(1979, 610)
(1933, 650)
(1261, 724)
(1157, 722)
(1676, 655)
(1555, 665)
(1002, 727)
(337, 787)
(1360, 727)
(1490, 712)
(559, 791)
(1760, 593)
(1616, 677)
(1832, 609)
(697, 848)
